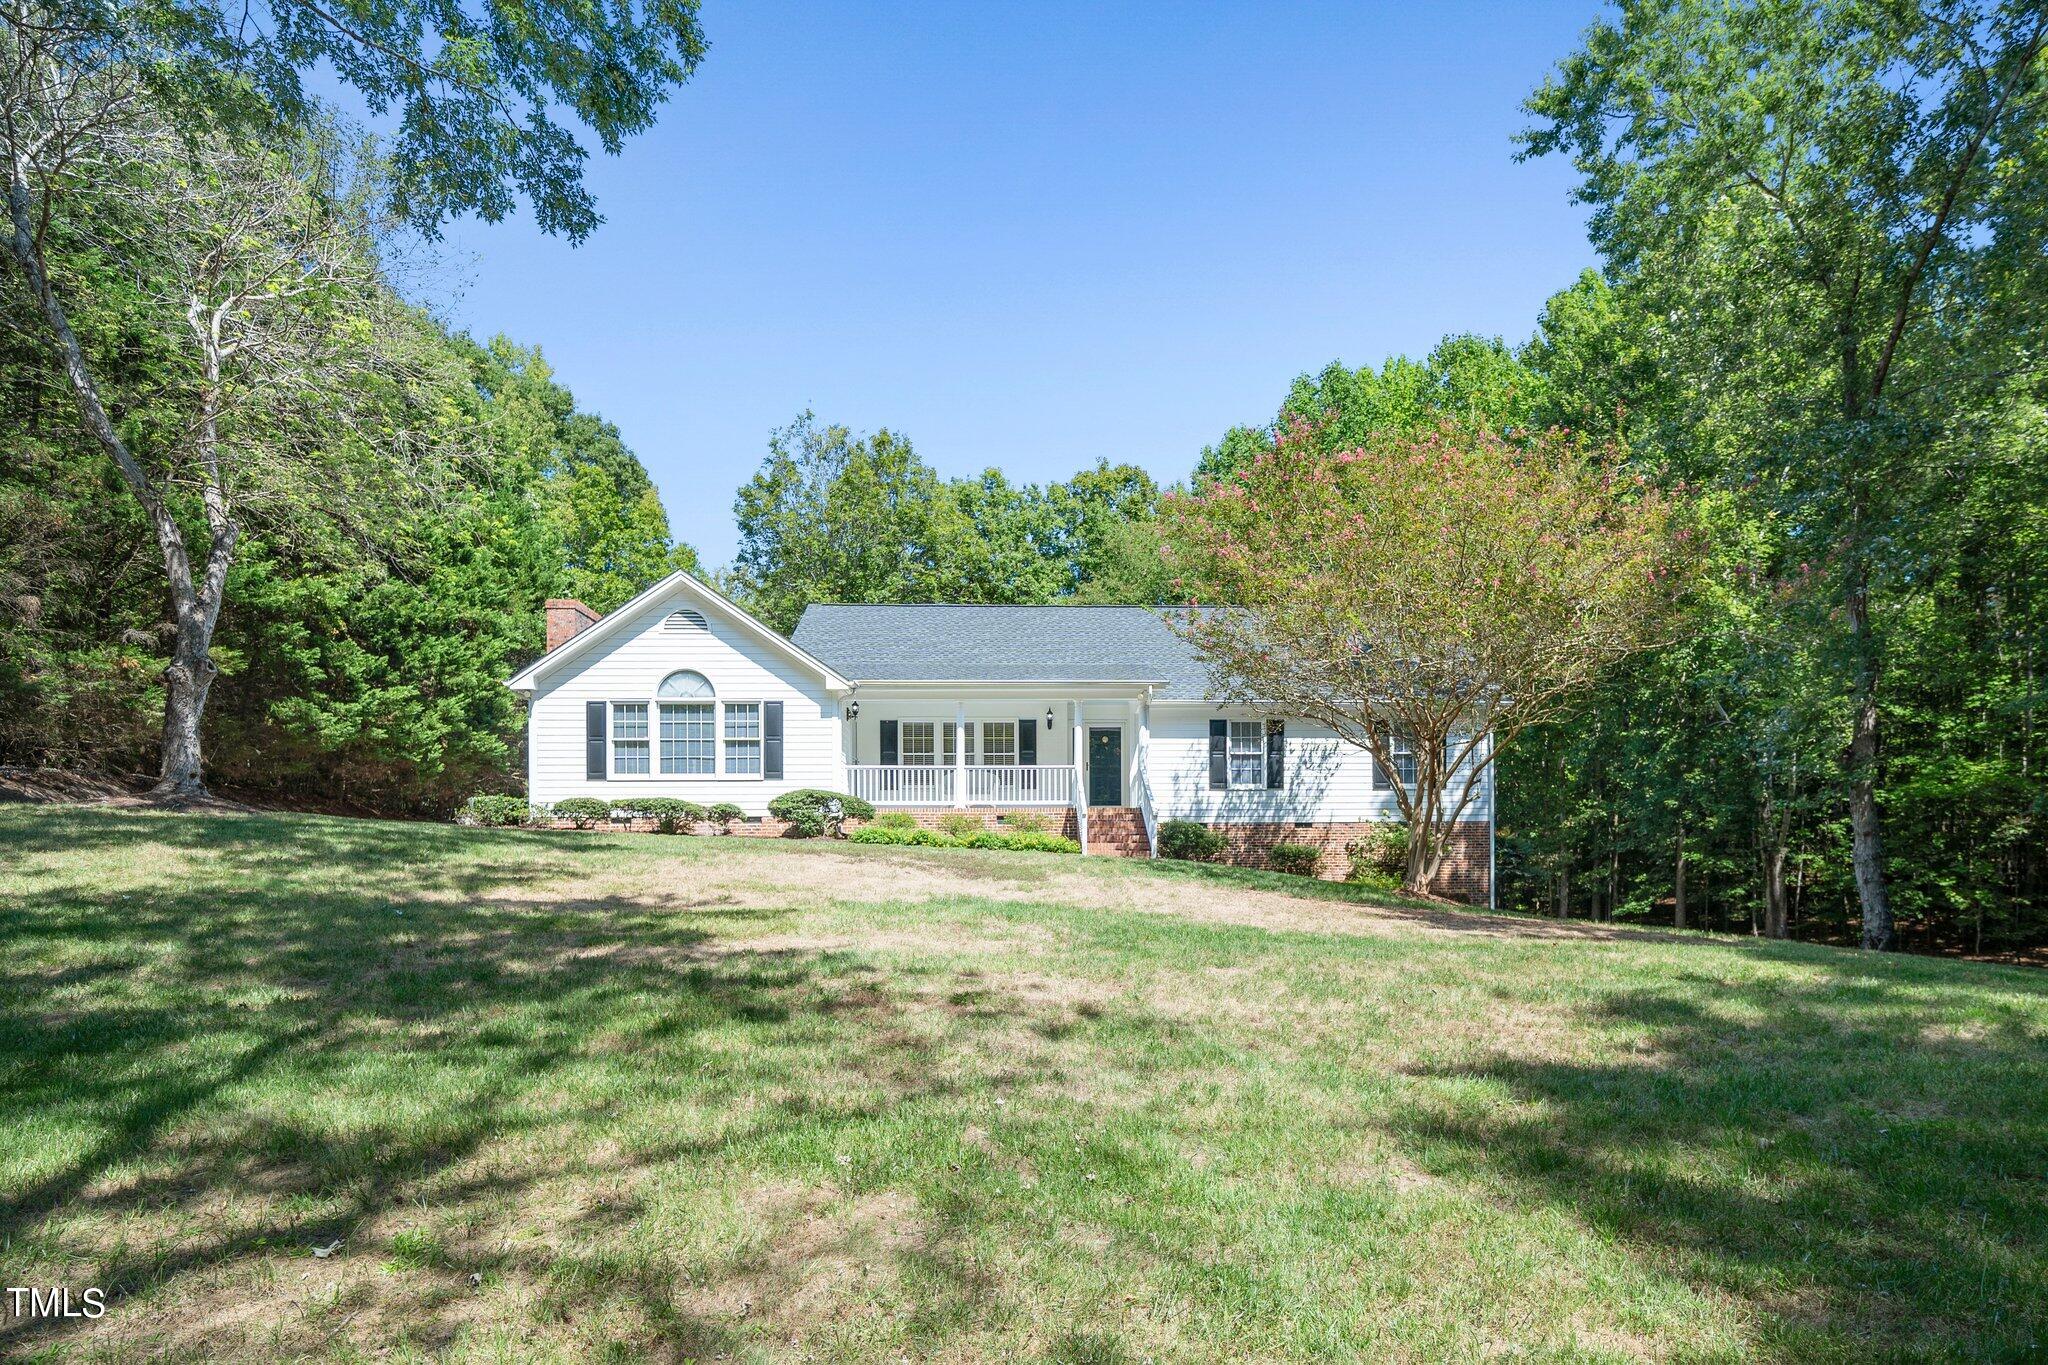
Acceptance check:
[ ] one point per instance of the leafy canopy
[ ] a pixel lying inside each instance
(484, 97)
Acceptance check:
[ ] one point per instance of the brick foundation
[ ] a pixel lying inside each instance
(767, 828)
(1464, 878)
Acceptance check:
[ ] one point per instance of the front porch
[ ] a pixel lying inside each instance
(1000, 748)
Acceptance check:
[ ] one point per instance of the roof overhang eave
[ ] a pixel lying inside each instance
(1010, 682)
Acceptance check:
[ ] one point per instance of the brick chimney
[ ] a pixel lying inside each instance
(566, 617)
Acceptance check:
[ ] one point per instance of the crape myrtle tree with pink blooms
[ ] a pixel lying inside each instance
(1448, 591)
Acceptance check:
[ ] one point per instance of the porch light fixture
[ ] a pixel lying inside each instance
(853, 710)
(1048, 718)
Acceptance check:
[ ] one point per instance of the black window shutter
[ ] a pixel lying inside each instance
(1027, 741)
(1219, 752)
(771, 740)
(593, 740)
(889, 741)
(1276, 753)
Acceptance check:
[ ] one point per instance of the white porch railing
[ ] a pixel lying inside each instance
(900, 784)
(1019, 785)
(905, 784)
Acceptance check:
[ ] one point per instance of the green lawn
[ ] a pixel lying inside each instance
(628, 1097)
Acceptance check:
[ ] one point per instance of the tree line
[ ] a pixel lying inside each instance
(1816, 329)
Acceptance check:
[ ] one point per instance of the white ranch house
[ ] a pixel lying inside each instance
(1097, 720)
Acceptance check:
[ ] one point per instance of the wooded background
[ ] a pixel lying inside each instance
(1819, 322)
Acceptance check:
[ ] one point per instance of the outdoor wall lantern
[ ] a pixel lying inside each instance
(853, 710)
(1048, 718)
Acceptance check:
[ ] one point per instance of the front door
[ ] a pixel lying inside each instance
(1106, 766)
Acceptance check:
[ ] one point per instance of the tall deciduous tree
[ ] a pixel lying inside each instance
(1841, 202)
(832, 517)
(1447, 591)
(96, 98)
(258, 273)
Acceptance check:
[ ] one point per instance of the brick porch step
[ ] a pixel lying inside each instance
(1117, 832)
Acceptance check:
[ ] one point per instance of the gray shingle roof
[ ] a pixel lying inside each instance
(1001, 644)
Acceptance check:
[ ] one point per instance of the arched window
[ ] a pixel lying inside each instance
(684, 685)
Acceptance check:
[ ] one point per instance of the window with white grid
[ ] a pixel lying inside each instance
(689, 737)
(917, 740)
(1403, 754)
(743, 738)
(998, 742)
(629, 736)
(1247, 753)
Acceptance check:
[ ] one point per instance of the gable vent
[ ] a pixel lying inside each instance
(686, 619)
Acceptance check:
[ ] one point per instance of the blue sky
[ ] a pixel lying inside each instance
(1031, 235)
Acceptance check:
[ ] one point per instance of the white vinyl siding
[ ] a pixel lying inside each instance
(629, 668)
(1328, 780)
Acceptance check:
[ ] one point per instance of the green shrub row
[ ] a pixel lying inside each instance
(1019, 841)
(671, 815)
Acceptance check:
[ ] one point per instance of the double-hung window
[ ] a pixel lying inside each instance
(743, 738)
(998, 743)
(1403, 754)
(629, 737)
(689, 737)
(916, 737)
(1247, 753)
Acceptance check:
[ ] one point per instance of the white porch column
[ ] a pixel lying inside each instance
(846, 742)
(1144, 746)
(1080, 757)
(960, 753)
(1080, 777)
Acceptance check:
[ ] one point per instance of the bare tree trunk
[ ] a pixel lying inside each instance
(1678, 882)
(1776, 833)
(1614, 871)
(187, 680)
(1564, 892)
(1776, 902)
(1866, 838)
(195, 608)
